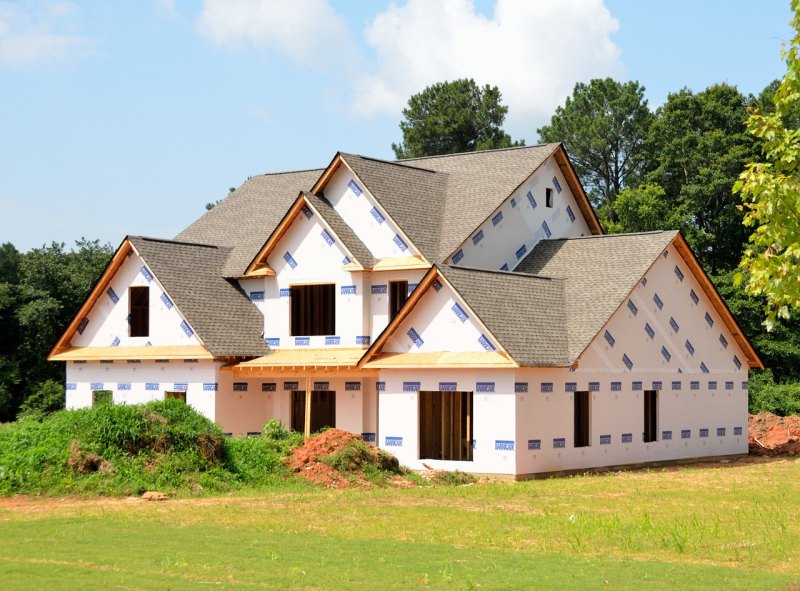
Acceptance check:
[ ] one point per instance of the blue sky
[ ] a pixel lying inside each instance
(128, 117)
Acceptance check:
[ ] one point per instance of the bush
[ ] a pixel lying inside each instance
(127, 449)
(767, 396)
(46, 399)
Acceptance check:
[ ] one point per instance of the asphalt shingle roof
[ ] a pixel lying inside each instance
(599, 273)
(218, 310)
(342, 230)
(244, 219)
(527, 314)
(478, 184)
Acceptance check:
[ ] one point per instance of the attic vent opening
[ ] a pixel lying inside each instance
(139, 302)
(313, 309)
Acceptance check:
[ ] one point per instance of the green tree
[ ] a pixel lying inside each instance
(645, 208)
(48, 285)
(452, 117)
(604, 126)
(770, 192)
(700, 144)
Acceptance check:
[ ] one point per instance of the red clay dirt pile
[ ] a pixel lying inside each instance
(308, 459)
(771, 435)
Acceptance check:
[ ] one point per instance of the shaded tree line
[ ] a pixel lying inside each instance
(40, 292)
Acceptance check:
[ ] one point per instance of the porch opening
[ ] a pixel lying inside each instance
(313, 310)
(650, 416)
(323, 410)
(445, 426)
(581, 402)
(398, 294)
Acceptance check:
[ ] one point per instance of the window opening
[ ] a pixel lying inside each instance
(445, 426)
(313, 309)
(650, 416)
(323, 410)
(581, 402)
(139, 311)
(398, 294)
(102, 397)
(548, 197)
(176, 395)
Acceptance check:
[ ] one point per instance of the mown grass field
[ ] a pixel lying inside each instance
(730, 526)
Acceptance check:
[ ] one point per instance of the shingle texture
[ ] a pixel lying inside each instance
(220, 313)
(599, 273)
(344, 232)
(439, 201)
(526, 314)
(245, 219)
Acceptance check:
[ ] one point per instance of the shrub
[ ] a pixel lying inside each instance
(127, 449)
(767, 396)
(46, 399)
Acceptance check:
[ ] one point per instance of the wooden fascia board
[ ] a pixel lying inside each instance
(327, 174)
(261, 258)
(480, 322)
(416, 295)
(385, 213)
(99, 287)
(683, 248)
(562, 159)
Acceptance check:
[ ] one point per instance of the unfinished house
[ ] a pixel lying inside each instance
(462, 311)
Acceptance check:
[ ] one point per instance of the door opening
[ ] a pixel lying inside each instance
(445, 426)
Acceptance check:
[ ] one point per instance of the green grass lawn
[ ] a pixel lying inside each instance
(733, 526)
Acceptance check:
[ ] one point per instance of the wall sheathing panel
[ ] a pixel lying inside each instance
(106, 325)
(702, 400)
(441, 321)
(362, 212)
(309, 253)
(493, 430)
(521, 221)
(379, 295)
(138, 382)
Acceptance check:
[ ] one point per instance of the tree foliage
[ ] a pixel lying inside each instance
(603, 126)
(452, 117)
(770, 191)
(645, 208)
(700, 144)
(40, 291)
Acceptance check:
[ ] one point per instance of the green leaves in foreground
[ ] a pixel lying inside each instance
(770, 191)
(127, 449)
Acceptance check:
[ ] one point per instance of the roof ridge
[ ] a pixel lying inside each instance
(177, 242)
(501, 272)
(619, 235)
(393, 163)
(474, 152)
(286, 172)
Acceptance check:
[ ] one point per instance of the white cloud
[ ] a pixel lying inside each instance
(30, 34)
(534, 51)
(310, 32)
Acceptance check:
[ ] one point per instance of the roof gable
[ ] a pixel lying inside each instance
(216, 308)
(360, 254)
(599, 272)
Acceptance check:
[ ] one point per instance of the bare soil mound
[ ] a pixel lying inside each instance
(339, 459)
(771, 435)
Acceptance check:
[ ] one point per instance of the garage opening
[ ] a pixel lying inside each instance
(323, 410)
(445, 426)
